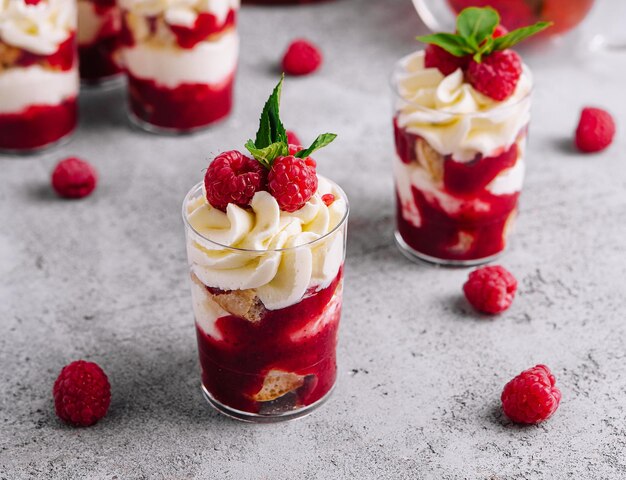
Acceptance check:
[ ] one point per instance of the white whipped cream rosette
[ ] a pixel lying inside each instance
(452, 116)
(39, 28)
(279, 254)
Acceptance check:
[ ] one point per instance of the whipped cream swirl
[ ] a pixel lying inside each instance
(262, 240)
(452, 116)
(39, 28)
(180, 12)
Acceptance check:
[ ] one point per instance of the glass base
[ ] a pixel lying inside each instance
(105, 83)
(419, 257)
(264, 417)
(24, 152)
(172, 132)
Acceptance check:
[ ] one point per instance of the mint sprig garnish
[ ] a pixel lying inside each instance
(271, 138)
(475, 27)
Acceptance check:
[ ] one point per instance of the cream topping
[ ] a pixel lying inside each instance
(180, 12)
(452, 116)
(280, 273)
(39, 28)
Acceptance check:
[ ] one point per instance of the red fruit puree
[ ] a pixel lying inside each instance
(234, 368)
(477, 228)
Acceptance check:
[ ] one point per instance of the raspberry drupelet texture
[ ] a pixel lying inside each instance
(74, 178)
(292, 181)
(490, 289)
(233, 178)
(531, 397)
(301, 58)
(595, 131)
(446, 63)
(82, 393)
(496, 75)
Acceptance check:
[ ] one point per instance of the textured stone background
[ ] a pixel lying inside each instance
(420, 374)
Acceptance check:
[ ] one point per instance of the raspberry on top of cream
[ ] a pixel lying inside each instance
(452, 116)
(38, 28)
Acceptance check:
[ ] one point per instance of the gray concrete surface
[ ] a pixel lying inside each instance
(420, 374)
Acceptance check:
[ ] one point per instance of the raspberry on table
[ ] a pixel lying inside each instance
(233, 178)
(301, 58)
(496, 75)
(490, 289)
(445, 62)
(74, 178)
(595, 131)
(82, 393)
(292, 181)
(531, 397)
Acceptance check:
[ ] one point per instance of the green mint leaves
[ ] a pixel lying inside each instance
(271, 138)
(475, 27)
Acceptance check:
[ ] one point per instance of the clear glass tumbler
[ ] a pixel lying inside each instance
(38, 73)
(180, 60)
(459, 164)
(266, 320)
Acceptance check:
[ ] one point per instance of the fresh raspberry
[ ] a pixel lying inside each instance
(233, 178)
(292, 182)
(301, 58)
(437, 57)
(500, 31)
(497, 75)
(82, 393)
(292, 138)
(328, 199)
(31, 2)
(74, 178)
(490, 289)
(531, 397)
(595, 131)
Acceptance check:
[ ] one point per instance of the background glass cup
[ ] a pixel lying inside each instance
(453, 212)
(264, 365)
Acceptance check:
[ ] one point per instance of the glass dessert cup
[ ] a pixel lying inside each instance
(264, 358)
(39, 78)
(458, 177)
(99, 27)
(180, 73)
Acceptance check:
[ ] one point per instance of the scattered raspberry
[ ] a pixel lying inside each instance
(301, 58)
(595, 131)
(74, 178)
(490, 289)
(531, 397)
(437, 57)
(82, 393)
(233, 178)
(497, 75)
(292, 182)
(328, 199)
(292, 138)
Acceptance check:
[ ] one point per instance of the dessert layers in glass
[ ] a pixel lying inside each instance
(267, 290)
(459, 166)
(38, 73)
(180, 59)
(99, 26)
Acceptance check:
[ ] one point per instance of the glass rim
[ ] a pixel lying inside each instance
(481, 114)
(199, 185)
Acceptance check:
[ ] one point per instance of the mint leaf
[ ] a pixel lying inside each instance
(450, 42)
(516, 36)
(320, 142)
(271, 129)
(265, 156)
(475, 25)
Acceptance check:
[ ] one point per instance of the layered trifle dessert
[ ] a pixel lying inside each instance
(462, 108)
(180, 59)
(266, 242)
(99, 26)
(38, 72)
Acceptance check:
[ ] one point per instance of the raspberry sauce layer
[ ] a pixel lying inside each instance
(188, 106)
(299, 339)
(467, 221)
(96, 60)
(37, 125)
